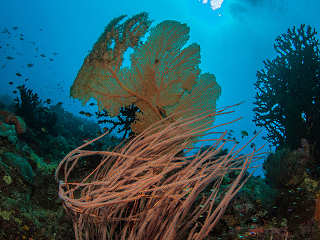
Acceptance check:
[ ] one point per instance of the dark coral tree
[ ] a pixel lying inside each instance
(288, 90)
(121, 122)
(33, 111)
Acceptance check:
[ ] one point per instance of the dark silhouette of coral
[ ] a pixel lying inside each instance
(122, 122)
(31, 109)
(288, 90)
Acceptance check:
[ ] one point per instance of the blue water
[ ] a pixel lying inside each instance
(54, 38)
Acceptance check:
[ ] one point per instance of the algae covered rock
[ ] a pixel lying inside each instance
(21, 164)
(8, 131)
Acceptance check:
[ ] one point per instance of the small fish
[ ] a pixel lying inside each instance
(42, 55)
(86, 140)
(55, 53)
(41, 29)
(18, 74)
(5, 30)
(10, 58)
(87, 114)
(14, 91)
(51, 59)
(15, 27)
(11, 83)
(91, 104)
(82, 112)
(48, 101)
(21, 38)
(26, 79)
(244, 134)
(30, 65)
(43, 130)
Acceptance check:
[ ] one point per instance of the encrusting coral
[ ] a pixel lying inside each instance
(11, 118)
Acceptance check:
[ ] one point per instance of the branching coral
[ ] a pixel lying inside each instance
(123, 121)
(146, 190)
(31, 109)
(163, 78)
(288, 93)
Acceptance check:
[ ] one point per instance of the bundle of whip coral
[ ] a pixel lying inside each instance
(152, 187)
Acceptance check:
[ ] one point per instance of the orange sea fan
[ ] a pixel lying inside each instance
(151, 187)
(163, 78)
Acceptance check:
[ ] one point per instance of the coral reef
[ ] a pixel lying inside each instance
(29, 205)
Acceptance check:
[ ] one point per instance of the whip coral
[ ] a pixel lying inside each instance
(151, 188)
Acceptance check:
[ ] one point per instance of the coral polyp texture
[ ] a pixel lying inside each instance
(163, 77)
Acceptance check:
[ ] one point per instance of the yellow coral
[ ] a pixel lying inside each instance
(7, 179)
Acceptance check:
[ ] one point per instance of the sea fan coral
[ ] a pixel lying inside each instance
(150, 187)
(163, 78)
